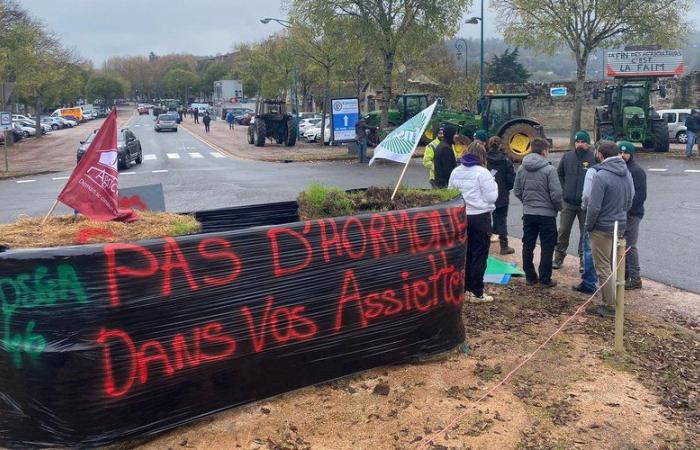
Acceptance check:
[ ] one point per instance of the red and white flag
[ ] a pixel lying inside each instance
(93, 187)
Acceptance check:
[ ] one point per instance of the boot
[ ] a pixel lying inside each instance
(505, 250)
(633, 283)
(494, 238)
(558, 262)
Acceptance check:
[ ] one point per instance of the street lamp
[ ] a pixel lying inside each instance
(295, 75)
(459, 44)
(480, 20)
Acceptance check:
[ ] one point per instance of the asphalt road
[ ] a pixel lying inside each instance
(197, 177)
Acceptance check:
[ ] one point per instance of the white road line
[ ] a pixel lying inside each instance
(691, 171)
(658, 170)
(173, 155)
(25, 181)
(195, 155)
(217, 155)
(159, 171)
(59, 178)
(127, 173)
(149, 157)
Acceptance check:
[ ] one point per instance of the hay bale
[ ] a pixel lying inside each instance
(28, 232)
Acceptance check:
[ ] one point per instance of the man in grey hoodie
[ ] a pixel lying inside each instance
(537, 186)
(612, 192)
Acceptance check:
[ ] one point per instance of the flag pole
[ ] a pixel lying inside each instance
(400, 178)
(55, 203)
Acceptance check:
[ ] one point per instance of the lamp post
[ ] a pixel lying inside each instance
(480, 20)
(295, 75)
(459, 44)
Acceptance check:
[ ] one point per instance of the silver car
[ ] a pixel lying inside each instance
(676, 123)
(166, 122)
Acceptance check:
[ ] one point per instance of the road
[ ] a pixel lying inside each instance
(197, 177)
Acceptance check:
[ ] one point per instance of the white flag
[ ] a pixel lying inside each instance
(402, 142)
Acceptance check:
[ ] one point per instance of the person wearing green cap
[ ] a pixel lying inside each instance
(635, 214)
(482, 136)
(572, 172)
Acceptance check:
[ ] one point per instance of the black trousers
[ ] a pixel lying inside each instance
(544, 227)
(478, 243)
(500, 224)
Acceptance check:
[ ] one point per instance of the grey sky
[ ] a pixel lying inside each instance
(99, 29)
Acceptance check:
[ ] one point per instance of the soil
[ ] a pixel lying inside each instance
(574, 393)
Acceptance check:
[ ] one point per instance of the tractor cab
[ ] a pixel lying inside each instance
(409, 105)
(502, 108)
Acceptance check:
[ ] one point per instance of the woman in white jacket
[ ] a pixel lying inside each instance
(480, 191)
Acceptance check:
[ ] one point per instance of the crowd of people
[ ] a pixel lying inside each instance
(601, 187)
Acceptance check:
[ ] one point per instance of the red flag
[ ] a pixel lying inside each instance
(93, 187)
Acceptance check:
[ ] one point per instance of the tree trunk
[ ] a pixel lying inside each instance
(38, 119)
(578, 99)
(326, 90)
(386, 96)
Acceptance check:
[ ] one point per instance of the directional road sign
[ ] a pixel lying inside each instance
(346, 113)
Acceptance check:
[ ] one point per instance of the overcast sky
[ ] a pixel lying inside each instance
(99, 29)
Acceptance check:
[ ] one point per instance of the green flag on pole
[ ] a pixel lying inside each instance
(402, 142)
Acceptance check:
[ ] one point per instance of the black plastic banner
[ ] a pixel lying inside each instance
(110, 341)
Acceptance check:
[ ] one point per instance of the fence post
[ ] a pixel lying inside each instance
(620, 296)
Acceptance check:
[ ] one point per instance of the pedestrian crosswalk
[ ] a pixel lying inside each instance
(183, 155)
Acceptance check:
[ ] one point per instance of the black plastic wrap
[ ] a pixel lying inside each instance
(105, 342)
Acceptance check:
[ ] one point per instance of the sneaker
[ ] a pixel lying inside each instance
(484, 298)
(633, 283)
(601, 310)
(494, 238)
(549, 283)
(507, 250)
(582, 289)
(557, 263)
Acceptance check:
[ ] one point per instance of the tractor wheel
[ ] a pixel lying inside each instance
(251, 136)
(659, 135)
(260, 133)
(291, 132)
(517, 139)
(604, 131)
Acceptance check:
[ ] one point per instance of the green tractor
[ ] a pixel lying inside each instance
(504, 115)
(626, 113)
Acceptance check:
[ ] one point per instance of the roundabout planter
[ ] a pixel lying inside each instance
(106, 342)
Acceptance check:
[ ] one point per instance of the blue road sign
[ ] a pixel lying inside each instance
(345, 114)
(557, 91)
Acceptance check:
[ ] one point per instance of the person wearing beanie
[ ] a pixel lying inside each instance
(537, 186)
(635, 214)
(480, 192)
(612, 192)
(502, 169)
(445, 161)
(482, 136)
(572, 172)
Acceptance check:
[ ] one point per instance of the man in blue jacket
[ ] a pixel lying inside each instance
(692, 126)
(612, 191)
(635, 214)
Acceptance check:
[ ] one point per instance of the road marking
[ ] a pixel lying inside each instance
(149, 157)
(217, 155)
(25, 181)
(173, 155)
(159, 171)
(127, 173)
(185, 148)
(59, 178)
(195, 155)
(691, 171)
(658, 170)
(212, 145)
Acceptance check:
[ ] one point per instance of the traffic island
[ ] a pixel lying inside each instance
(111, 341)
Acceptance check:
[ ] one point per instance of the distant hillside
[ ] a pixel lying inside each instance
(561, 65)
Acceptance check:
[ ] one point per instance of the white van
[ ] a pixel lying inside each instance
(675, 118)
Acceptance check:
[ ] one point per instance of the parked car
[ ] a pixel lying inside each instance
(238, 113)
(56, 123)
(675, 118)
(100, 113)
(21, 117)
(32, 123)
(27, 130)
(309, 115)
(306, 123)
(17, 132)
(69, 122)
(313, 134)
(128, 148)
(246, 119)
(166, 122)
(89, 115)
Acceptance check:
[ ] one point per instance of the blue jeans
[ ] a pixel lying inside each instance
(589, 279)
(362, 151)
(691, 141)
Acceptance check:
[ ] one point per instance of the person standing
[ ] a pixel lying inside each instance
(230, 118)
(480, 192)
(444, 159)
(633, 279)
(572, 171)
(361, 130)
(692, 126)
(429, 156)
(195, 115)
(502, 170)
(481, 136)
(589, 279)
(537, 187)
(612, 192)
(206, 120)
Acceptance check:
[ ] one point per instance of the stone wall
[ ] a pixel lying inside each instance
(555, 112)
